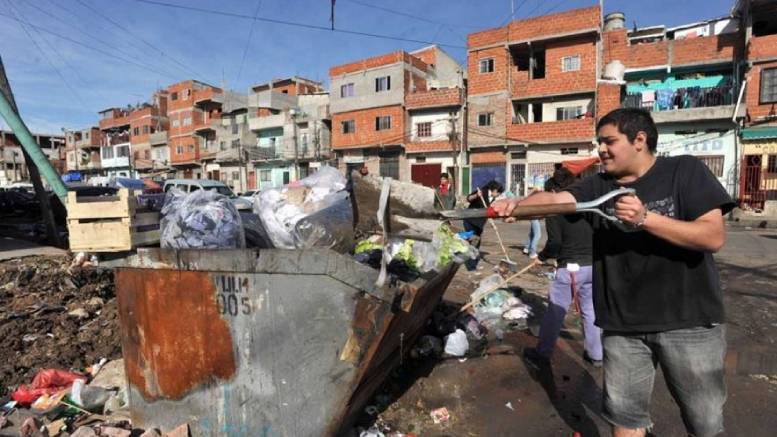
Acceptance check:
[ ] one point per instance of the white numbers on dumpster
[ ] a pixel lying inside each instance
(232, 295)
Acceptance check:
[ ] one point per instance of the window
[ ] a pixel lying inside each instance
(122, 152)
(187, 121)
(265, 175)
(175, 123)
(485, 119)
(186, 94)
(570, 63)
(235, 144)
(569, 112)
(222, 145)
(771, 166)
(174, 96)
(382, 83)
(424, 129)
(136, 131)
(487, 65)
(349, 126)
(191, 148)
(714, 163)
(146, 129)
(285, 92)
(383, 123)
(235, 175)
(107, 152)
(569, 150)
(86, 135)
(179, 150)
(769, 85)
(235, 129)
(347, 90)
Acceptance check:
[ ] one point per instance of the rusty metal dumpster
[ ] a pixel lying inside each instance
(262, 342)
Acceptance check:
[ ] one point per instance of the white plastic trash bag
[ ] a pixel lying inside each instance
(200, 220)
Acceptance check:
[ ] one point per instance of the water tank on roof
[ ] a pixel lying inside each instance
(614, 20)
(614, 70)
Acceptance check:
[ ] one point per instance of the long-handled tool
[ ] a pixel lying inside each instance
(512, 266)
(475, 299)
(539, 211)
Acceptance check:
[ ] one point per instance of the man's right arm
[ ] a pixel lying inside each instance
(505, 207)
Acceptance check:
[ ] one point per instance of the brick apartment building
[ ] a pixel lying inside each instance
(687, 76)
(372, 124)
(82, 151)
(290, 120)
(758, 175)
(531, 96)
(13, 168)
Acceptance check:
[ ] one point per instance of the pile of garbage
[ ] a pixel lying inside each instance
(54, 315)
(200, 220)
(408, 259)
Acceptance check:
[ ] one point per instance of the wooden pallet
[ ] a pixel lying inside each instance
(109, 224)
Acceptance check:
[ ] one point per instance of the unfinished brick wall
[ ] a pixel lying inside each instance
(428, 56)
(557, 81)
(757, 110)
(553, 24)
(478, 136)
(365, 134)
(377, 61)
(434, 98)
(762, 47)
(430, 146)
(566, 131)
(488, 157)
(483, 83)
(670, 52)
(608, 98)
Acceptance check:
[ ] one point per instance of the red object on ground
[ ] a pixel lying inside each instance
(46, 381)
(578, 166)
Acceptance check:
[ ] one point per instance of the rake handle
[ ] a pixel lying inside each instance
(536, 211)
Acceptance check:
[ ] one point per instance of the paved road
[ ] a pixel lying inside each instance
(477, 391)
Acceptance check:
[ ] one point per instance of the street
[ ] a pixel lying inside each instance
(497, 395)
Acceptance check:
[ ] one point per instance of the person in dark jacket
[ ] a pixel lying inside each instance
(480, 198)
(570, 241)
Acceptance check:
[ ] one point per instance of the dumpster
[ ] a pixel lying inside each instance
(263, 342)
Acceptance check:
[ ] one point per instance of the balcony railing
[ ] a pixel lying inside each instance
(682, 98)
(265, 153)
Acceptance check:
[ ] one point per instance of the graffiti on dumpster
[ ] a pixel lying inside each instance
(232, 295)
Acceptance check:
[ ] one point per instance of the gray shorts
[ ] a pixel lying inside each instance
(692, 361)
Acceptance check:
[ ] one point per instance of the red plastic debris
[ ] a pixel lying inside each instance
(46, 381)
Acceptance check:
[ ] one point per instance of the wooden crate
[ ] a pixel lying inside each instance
(109, 224)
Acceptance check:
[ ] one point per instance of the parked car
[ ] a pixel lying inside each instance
(248, 195)
(190, 185)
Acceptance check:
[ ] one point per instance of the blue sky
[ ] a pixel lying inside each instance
(174, 44)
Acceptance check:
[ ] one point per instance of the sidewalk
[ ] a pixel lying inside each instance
(15, 248)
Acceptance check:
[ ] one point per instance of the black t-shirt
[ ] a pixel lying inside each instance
(641, 282)
(569, 240)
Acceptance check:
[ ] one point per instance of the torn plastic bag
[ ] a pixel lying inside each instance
(47, 381)
(330, 226)
(200, 220)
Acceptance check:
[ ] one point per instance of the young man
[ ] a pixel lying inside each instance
(657, 294)
(445, 197)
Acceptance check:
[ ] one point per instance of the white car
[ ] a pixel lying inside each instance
(190, 185)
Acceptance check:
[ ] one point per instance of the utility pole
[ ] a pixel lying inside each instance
(293, 114)
(454, 140)
(43, 198)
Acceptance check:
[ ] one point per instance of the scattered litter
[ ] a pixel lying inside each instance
(510, 406)
(372, 410)
(461, 360)
(456, 344)
(440, 416)
(45, 382)
(373, 431)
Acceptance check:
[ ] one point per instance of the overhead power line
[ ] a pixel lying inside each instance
(76, 26)
(90, 47)
(248, 41)
(295, 24)
(180, 64)
(23, 24)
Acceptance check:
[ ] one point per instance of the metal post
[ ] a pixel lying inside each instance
(30, 148)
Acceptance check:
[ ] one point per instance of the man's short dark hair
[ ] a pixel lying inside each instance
(630, 121)
(444, 175)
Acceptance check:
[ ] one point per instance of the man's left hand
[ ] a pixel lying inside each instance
(629, 209)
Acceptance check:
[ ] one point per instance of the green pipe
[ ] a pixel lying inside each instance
(31, 147)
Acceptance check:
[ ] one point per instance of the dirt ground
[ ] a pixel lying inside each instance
(51, 316)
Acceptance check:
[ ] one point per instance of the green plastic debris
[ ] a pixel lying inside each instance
(406, 254)
(367, 246)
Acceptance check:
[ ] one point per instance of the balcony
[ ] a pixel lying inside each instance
(271, 121)
(686, 104)
(264, 153)
(762, 47)
(208, 122)
(229, 155)
(208, 96)
(158, 138)
(271, 99)
(114, 139)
